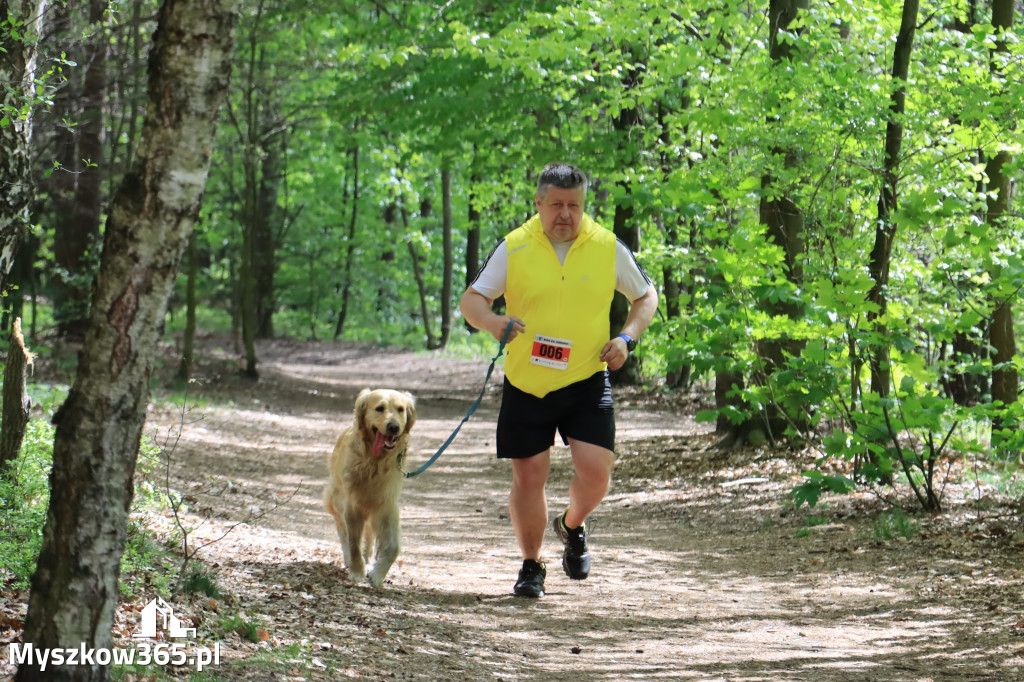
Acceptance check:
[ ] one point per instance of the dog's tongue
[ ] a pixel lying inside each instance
(379, 442)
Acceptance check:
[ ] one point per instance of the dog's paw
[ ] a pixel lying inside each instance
(356, 576)
(375, 580)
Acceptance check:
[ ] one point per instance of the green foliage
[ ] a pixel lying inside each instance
(24, 498)
(912, 433)
(810, 523)
(149, 494)
(895, 524)
(200, 579)
(1006, 480)
(246, 628)
(680, 118)
(145, 563)
(1007, 436)
(477, 346)
(208, 318)
(493, 92)
(810, 491)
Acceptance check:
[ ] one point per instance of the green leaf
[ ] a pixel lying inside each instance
(806, 493)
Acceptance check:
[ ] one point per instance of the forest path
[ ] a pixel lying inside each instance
(701, 568)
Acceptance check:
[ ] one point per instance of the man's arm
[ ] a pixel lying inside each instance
(641, 312)
(476, 308)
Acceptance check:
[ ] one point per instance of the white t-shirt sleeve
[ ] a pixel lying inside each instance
(490, 281)
(630, 278)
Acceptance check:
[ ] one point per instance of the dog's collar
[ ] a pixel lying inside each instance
(401, 460)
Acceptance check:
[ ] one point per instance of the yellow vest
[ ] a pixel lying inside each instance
(565, 307)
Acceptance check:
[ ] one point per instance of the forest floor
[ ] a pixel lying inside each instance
(703, 569)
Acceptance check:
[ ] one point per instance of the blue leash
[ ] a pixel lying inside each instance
(472, 408)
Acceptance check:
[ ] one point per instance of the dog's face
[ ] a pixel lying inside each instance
(383, 417)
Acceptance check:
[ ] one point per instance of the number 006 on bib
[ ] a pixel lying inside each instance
(551, 352)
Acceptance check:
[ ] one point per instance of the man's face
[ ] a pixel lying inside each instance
(561, 211)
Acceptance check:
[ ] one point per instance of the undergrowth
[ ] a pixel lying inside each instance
(25, 497)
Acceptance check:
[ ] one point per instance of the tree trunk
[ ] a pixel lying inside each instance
(247, 274)
(69, 246)
(130, 91)
(350, 247)
(385, 284)
(885, 230)
(268, 229)
(89, 199)
(677, 376)
(968, 388)
(15, 399)
(18, 74)
(74, 589)
(74, 192)
(188, 343)
(783, 221)
(417, 273)
(449, 257)
(262, 141)
(1005, 381)
(253, 222)
(265, 242)
(473, 245)
(624, 227)
(22, 284)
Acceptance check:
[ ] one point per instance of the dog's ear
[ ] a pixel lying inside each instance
(410, 411)
(362, 403)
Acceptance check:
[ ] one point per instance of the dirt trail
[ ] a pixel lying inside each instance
(701, 570)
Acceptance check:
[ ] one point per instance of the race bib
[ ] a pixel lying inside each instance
(551, 352)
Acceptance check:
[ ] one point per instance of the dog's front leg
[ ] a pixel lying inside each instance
(388, 540)
(352, 544)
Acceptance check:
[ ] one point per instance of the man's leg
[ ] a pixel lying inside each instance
(593, 465)
(527, 502)
(588, 487)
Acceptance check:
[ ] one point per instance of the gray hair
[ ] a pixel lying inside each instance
(562, 175)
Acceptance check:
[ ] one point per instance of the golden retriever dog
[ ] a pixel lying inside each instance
(365, 480)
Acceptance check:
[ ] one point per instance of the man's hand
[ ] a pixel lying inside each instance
(476, 308)
(497, 328)
(615, 353)
(641, 312)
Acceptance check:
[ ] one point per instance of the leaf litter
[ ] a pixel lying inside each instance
(703, 567)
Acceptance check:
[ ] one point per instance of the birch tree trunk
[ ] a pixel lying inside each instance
(74, 590)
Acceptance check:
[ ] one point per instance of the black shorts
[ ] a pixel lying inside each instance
(583, 411)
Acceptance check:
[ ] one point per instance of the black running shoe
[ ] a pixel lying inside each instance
(576, 556)
(531, 579)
